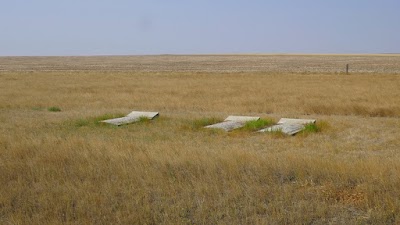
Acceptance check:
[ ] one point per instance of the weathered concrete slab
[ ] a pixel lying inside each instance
(227, 125)
(148, 115)
(296, 121)
(242, 118)
(286, 128)
(233, 122)
(131, 118)
(122, 120)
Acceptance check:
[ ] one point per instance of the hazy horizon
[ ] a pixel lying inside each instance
(122, 27)
(209, 54)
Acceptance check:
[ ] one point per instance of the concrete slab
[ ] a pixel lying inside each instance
(148, 115)
(132, 117)
(286, 128)
(242, 118)
(122, 120)
(233, 122)
(296, 121)
(227, 125)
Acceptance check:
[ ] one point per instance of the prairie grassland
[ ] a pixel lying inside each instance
(281, 63)
(61, 167)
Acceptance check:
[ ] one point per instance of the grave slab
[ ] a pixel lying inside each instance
(242, 118)
(227, 125)
(296, 121)
(148, 115)
(132, 117)
(233, 122)
(286, 128)
(122, 120)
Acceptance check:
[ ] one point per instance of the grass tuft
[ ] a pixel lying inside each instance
(315, 128)
(143, 119)
(256, 125)
(311, 128)
(54, 109)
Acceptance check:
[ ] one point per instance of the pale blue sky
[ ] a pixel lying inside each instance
(122, 27)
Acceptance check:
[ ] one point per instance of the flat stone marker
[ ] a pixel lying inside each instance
(227, 125)
(289, 126)
(132, 117)
(233, 122)
(242, 118)
(297, 121)
(148, 115)
(286, 128)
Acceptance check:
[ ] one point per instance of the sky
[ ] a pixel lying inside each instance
(147, 27)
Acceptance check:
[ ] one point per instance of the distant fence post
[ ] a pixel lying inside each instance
(347, 68)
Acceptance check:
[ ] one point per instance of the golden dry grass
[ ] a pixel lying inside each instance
(63, 168)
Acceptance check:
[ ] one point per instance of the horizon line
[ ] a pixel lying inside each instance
(212, 54)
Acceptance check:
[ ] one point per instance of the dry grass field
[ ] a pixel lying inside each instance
(62, 167)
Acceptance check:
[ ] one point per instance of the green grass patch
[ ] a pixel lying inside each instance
(315, 128)
(257, 125)
(54, 109)
(311, 128)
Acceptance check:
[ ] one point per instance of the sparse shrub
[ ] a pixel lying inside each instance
(54, 109)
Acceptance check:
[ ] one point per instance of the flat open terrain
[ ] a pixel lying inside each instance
(378, 63)
(62, 167)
